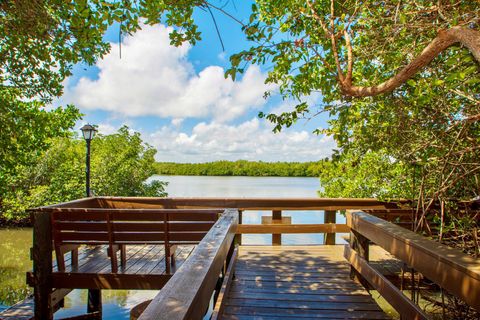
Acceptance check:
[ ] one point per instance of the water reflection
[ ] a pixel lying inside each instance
(116, 303)
(14, 262)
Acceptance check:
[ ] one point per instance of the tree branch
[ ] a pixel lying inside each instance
(317, 17)
(348, 79)
(468, 37)
(341, 77)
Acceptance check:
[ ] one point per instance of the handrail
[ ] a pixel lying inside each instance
(128, 210)
(276, 227)
(187, 294)
(451, 269)
(292, 228)
(250, 203)
(230, 202)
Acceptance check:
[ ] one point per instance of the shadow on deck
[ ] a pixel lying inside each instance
(144, 269)
(296, 282)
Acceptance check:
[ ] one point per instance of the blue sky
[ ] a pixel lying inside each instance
(180, 102)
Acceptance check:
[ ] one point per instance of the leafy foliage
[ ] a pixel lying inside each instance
(120, 165)
(373, 174)
(428, 126)
(26, 131)
(40, 40)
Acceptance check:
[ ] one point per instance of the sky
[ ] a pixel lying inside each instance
(181, 103)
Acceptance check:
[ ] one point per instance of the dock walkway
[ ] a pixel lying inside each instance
(22, 310)
(242, 282)
(307, 282)
(144, 269)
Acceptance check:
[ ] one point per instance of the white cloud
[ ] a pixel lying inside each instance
(250, 140)
(154, 78)
(106, 128)
(177, 122)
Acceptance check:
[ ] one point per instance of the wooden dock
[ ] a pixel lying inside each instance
(144, 269)
(22, 310)
(293, 282)
(209, 264)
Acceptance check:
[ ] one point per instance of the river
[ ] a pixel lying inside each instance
(15, 243)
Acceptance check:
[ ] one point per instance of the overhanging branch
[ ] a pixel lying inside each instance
(468, 37)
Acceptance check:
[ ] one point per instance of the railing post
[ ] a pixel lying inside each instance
(42, 265)
(330, 216)
(238, 237)
(360, 244)
(276, 218)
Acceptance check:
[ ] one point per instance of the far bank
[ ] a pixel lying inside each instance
(242, 168)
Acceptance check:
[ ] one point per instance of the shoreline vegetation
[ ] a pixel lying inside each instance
(121, 163)
(241, 168)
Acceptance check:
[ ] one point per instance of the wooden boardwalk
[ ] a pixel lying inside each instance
(144, 268)
(296, 282)
(22, 310)
(269, 282)
(276, 277)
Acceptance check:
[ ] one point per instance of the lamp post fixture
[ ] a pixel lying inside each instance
(94, 301)
(88, 132)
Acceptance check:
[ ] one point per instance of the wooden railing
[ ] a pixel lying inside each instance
(276, 223)
(451, 269)
(188, 293)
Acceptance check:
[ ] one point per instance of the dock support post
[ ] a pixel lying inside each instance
(238, 237)
(42, 265)
(94, 303)
(330, 217)
(276, 218)
(361, 245)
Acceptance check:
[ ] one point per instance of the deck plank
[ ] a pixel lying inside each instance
(288, 282)
(22, 310)
(146, 263)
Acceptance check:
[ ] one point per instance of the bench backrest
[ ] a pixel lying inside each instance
(132, 226)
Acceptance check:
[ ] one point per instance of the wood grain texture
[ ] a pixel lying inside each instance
(119, 227)
(330, 217)
(294, 282)
(453, 270)
(42, 265)
(188, 293)
(225, 289)
(293, 228)
(145, 269)
(248, 203)
(404, 306)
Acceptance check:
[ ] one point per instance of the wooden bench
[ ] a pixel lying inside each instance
(120, 227)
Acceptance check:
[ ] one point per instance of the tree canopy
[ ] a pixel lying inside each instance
(398, 78)
(41, 40)
(121, 163)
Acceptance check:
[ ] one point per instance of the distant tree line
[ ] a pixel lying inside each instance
(241, 168)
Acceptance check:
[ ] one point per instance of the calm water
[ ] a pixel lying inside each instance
(15, 243)
(255, 187)
(14, 262)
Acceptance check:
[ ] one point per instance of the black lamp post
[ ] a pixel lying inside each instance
(94, 302)
(88, 132)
